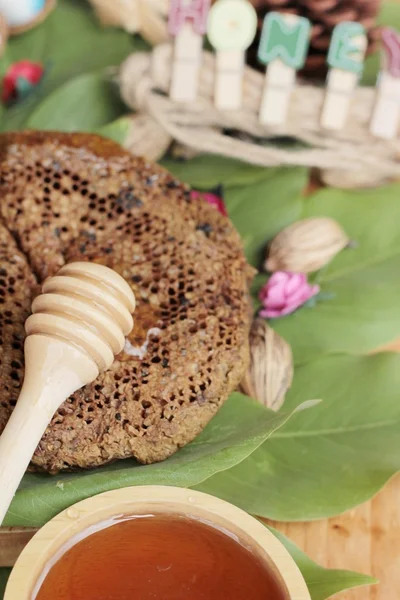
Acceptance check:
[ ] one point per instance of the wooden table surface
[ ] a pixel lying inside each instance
(366, 539)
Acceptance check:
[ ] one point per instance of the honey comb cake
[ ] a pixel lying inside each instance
(67, 197)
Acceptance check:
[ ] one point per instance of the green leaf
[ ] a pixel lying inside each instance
(258, 282)
(330, 459)
(84, 103)
(4, 575)
(369, 217)
(69, 43)
(361, 286)
(117, 130)
(261, 210)
(322, 583)
(238, 429)
(208, 171)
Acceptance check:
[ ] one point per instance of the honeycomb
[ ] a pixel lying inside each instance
(67, 197)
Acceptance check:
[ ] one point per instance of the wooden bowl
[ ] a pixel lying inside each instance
(49, 542)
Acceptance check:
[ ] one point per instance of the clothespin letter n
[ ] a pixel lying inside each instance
(346, 61)
(187, 21)
(283, 47)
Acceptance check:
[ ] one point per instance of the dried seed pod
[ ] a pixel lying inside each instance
(306, 246)
(270, 372)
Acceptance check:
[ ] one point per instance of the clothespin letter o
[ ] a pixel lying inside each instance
(232, 25)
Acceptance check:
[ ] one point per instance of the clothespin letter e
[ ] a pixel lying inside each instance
(284, 44)
(187, 21)
(232, 26)
(386, 116)
(346, 61)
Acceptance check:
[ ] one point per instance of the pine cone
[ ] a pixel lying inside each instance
(324, 16)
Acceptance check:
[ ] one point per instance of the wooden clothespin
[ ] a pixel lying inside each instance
(232, 25)
(386, 116)
(346, 59)
(188, 23)
(284, 43)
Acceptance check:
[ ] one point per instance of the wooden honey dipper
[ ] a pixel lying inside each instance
(78, 324)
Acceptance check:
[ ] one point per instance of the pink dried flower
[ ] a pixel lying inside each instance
(284, 293)
(215, 201)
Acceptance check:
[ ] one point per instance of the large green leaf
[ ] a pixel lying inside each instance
(322, 583)
(324, 461)
(207, 171)
(117, 130)
(4, 575)
(83, 103)
(362, 312)
(370, 218)
(237, 430)
(69, 43)
(259, 211)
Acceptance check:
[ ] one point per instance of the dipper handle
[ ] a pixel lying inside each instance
(77, 325)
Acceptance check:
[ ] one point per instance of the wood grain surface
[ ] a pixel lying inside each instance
(366, 539)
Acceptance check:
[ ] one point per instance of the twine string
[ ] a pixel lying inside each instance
(144, 82)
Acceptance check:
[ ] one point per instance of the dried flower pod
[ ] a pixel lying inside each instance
(306, 246)
(270, 372)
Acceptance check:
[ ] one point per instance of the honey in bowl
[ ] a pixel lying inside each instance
(161, 557)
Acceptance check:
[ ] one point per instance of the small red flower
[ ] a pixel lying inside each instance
(20, 79)
(213, 199)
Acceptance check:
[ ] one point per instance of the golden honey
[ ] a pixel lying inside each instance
(160, 557)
